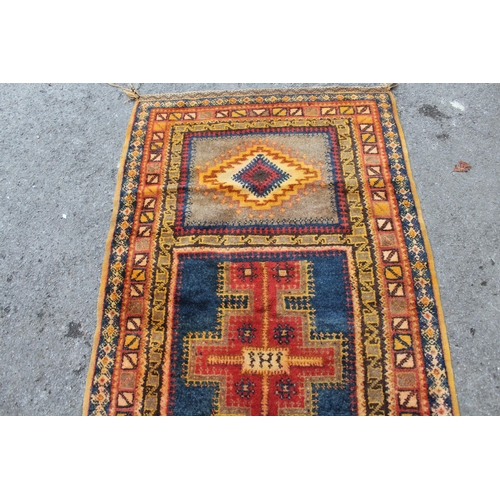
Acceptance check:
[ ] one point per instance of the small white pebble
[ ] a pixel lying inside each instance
(63, 216)
(458, 105)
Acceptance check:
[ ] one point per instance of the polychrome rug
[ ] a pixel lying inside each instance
(267, 256)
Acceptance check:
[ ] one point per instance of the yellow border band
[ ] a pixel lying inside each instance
(105, 266)
(430, 259)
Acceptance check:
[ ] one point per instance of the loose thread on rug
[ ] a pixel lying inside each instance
(130, 92)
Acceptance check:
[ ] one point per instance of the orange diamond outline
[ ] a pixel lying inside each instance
(301, 175)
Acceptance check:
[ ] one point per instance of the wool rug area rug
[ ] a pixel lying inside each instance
(268, 256)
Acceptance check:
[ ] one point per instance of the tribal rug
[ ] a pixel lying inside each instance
(267, 256)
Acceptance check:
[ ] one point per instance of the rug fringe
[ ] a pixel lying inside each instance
(132, 93)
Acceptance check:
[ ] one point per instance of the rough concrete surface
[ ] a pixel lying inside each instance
(59, 149)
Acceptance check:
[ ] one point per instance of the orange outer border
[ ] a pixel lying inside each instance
(430, 259)
(105, 266)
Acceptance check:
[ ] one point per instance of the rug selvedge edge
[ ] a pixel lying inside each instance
(106, 261)
(431, 263)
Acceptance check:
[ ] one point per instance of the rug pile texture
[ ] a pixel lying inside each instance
(267, 256)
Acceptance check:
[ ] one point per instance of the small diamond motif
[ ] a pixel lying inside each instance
(261, 176)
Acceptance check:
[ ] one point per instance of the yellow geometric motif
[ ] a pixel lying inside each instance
(222, 177)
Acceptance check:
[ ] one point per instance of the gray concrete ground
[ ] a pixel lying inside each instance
(59, 149)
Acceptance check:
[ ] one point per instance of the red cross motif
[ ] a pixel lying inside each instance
(265, 359)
